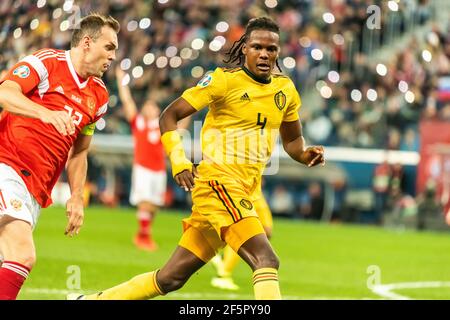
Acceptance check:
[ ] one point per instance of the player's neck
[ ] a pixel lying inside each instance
(255, 77)
(77, 62)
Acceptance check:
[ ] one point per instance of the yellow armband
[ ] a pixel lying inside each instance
(171, 141)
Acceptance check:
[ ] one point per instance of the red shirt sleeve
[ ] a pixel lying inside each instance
(23, 74)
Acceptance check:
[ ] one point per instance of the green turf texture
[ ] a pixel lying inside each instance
(318, 261)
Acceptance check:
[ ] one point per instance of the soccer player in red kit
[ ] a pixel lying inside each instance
(149, 179)
(51, 100)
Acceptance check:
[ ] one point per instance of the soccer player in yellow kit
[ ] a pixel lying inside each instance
(248, 107)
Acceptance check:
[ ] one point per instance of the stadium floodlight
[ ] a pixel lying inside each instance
(197, 44)
(393, 6)
(186, 53)
(34, 24)
(381, 69)
(197, 71)
(320, 84)
(67, 6)
(222, 26)
(426, 55)
(333, 76)
(41, 3)
(289, 62)
(338, 39)
(215, 45)
(326, 92)
(403, 86)
(328, 17)
(409, 96)
(271, 3)
(175, 62)
(125, 64)
(17, 33)
(372, 95)
(162, 62)
(100, 124)
(356, 95)
(132, 25)
(317, 54)
(305, 42)
(221, 39)
(137, 72)
(64, 25)
(171, 51)
(57, 13)
(126, 80)
(145, 23)
(149, 58)
(163, 1)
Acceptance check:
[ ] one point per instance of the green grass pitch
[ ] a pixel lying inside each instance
(318, 261)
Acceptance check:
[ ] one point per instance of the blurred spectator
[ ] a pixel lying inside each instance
(428, 206)
(281, 201)
(380, 184)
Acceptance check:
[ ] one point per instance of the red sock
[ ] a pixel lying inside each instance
(12, 276)
(145, 223)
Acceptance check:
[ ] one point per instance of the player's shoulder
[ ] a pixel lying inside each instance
(50, 54)
(230, 70)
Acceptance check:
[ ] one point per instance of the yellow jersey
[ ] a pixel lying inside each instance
(242, 125)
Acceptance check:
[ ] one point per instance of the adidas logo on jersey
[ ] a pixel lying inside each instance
(60, 89)
(245, 97)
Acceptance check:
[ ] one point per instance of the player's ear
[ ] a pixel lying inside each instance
(244, 48)
(86, 41)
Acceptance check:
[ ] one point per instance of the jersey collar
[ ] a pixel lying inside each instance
(257, 79)
(74, 73)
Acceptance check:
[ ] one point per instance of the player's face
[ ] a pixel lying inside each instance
(102, 52)
(261, 52)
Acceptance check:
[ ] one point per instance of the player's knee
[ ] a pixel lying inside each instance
(26, 258)
(267, 260)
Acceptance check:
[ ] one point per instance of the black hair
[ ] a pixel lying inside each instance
(235, 54)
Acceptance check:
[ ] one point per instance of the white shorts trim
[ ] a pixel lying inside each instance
(147, 185)
(15, 199)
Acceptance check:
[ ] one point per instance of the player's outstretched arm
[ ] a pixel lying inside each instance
(76, 174)
(129, 106)
(294, 145)
(183, 170)
(14, 101)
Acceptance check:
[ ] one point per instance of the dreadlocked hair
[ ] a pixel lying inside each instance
(235, 55)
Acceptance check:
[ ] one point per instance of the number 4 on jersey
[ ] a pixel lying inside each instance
(261, 123)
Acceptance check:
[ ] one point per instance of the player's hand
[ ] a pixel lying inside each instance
(185, 179)
(61, 120)
(313, 156)
(75, 215)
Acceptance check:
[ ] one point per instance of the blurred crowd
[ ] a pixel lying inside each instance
(327, 45)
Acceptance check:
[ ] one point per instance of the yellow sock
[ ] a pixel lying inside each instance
(265, 284)
(141, 287)
(230, 260)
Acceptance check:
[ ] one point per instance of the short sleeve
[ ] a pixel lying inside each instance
(25, 75)
(212, 87)
(291, 113)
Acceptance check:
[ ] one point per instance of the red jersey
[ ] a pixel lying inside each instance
(36, 150)
(148, 149)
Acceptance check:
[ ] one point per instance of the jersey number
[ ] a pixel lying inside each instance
(78, 116)
(261, 123)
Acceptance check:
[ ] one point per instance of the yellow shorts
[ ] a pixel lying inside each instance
(223, 213)
(263, 210)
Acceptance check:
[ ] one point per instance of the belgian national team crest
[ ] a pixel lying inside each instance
(280, 100)
(246, 204)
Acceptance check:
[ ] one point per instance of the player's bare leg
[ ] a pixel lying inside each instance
(143, 238)
(259, 255)
(19, 256)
